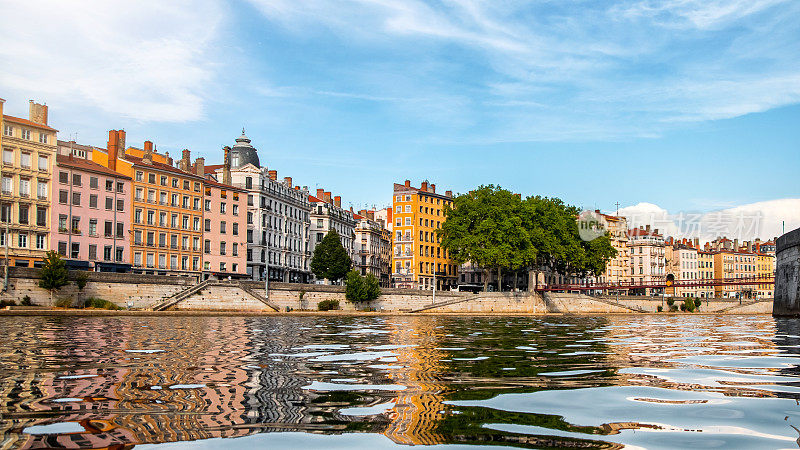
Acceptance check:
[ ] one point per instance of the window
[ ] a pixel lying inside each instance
(137, 237)
(222, 208)
(174, 221)
(207, 225)
(92, 200)
(109, 203)
(7, 186)
(120, 229)
(235, 229)
(25, 160)
(8, 156)
(92, 251)
(248, 181)
(41, 216)
(41, 189)
(139, 177)
(76, 199)
(235, 249)
(8, 130)
(151, 178)
(163, 180)
(137, 259)
(222, 249)
(62, 248)
(120, 204)
(151, 217)
(185, 185)
(92, 227)
(62, 222)
(24, 187)
(196, 224)
(109, 228)
(208, 205)
(249, 217)
(162, 240)
(43, 163)
(107, 253)
(185, 222)
(120, 187)
(137, 216)
(235, 210)
(23, 214)
(222, 226)
(76, 179)
(26, 134)
(41, 241)
(207, 246)
(151, 238)
(93, 183)
(75, 252)
(175, 200)
(22, 240)
(222, 267)
(43, 138)
(196, 204)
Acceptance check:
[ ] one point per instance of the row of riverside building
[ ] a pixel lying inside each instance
(122, 208)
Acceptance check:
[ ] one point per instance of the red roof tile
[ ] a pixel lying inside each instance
(27, 122)
(89, 166)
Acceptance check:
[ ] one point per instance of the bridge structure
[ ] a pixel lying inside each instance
(658, 284)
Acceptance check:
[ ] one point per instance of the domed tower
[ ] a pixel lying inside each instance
(243, 153)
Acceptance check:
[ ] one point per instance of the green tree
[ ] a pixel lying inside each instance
(360, 289)
(330, 260)
(485, 227)
(53, 274)
(81, 278)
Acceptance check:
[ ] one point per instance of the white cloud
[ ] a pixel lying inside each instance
(576, 70)
(146, 60)
(763, 220)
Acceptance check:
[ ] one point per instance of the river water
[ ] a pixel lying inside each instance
(643, 381)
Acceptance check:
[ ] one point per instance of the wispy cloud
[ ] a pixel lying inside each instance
(587, 70)
(145, 60)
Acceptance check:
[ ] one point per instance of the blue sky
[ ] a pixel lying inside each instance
(686, 104)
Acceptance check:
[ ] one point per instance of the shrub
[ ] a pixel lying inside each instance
(697, 302)
(660, 308)
(4, 303)
(302, 294)
(99, 303)
(63, 302)
(327, 305)
(359, 289)
(670, 301)
(673, 308)
(688, 305)
(26, 301)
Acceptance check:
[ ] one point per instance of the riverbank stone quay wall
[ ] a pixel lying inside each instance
(148, 291)
(787, 274)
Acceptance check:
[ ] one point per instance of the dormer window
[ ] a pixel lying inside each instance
(235, 160)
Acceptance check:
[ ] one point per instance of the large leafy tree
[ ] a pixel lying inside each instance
(359, 289)
(53, 275)
(484, 227)
(330, 260)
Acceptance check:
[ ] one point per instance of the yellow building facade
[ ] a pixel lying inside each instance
(418, 261)
(29, 148)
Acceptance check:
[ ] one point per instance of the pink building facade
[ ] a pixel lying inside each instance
(91, 215)
(224, 231)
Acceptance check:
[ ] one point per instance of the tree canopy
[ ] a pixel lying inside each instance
(54, 272)
(330, 260)
(496, 229)
(359, 289)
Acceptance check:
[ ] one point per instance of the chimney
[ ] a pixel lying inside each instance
(371, 215)
(37, 113)
(362, 212)
(337, 201)
(736, 244)
(326, 197)
(185, 162)
(424, 186)
(321, 194)
(288, 182)
(408, 183)
(200, 167)
(433, 188)
(647, 227)
(273, 175)
(116, 143)
(226, 166)
(697, 242)
(448, 194)
(148, 146)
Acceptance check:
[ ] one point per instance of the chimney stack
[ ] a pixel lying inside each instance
(362, 212)
(37, 113)
(321, 194)
(424, 186)
(448, 194)
(433, 188)
(337, 201)
(200, 167)
(185, 163)
(226, 167)
(116, 144)
(288, 182)
(273, 175)
(326, 197)
(408, 183)
(647, 227)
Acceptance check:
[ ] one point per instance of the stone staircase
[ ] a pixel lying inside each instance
(258, 296)
(168, 302)
(444, 303)
(611, 302)
(742, 305)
